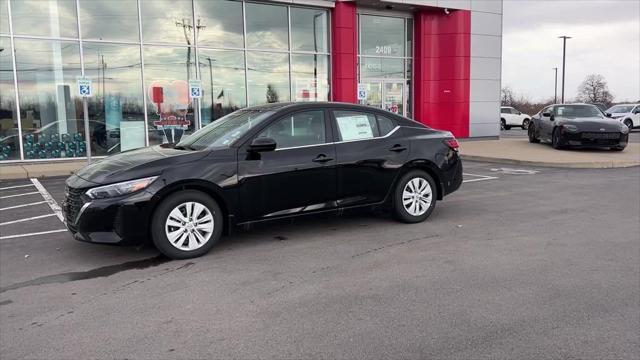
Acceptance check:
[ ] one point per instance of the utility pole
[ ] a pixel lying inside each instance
(564, 55)
(555, 87)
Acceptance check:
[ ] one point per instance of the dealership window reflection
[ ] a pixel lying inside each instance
(310, 77)
(116, 110)
(223, 81)
(221, 23)
(102, 20)
(170, 114)
(268, 77)
(9, 142)
(51, 110)
(54, 18)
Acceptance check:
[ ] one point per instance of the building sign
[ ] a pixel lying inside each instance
(362, 92)
(84, 86)
(171, 100)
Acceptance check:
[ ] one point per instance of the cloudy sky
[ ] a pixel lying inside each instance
(606, 40)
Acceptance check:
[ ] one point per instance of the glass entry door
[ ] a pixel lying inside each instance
(386, 94)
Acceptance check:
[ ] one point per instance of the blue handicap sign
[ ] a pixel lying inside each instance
(85, 90)
(195, 92)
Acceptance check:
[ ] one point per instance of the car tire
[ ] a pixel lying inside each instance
(525, 124)
(503, 124)
(415, 197)
(531, 131)
(629, 124)
(555, 139)
(177, 234)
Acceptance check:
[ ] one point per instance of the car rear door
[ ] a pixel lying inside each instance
(299, 176)
(546, 125)
(370, 150)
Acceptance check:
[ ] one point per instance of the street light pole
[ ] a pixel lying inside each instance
(555, 87)
(564, 55)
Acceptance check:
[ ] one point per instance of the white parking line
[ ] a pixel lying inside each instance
(32, 234)
(23, 205)
(49, 199)
(14, 187)
(16, 195)
(26, 219)
(479, 178)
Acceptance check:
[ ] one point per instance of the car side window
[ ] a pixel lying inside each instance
(385, 125)
(355, 125)
(504, 111)
(299, 129)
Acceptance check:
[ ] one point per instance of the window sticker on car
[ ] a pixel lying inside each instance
(560, 111)
(355, 127)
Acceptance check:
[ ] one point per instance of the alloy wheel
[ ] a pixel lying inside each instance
(416, 196)
(189, 226)
(629, 124)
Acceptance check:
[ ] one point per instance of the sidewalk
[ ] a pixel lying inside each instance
(521, 152)
(39, 169)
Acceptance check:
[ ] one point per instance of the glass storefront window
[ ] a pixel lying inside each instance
(382, 36)
(51, 110)
(167, 71)
(222, 24)
(409, 37)
(100, 19)
(167, 21)
(9, 141)
(268, 77)
(309, 30)
(381, 68)
(223, 82)
(54, 18)
(267, 26)
(4, 17)
(116, 110)
(310, 77)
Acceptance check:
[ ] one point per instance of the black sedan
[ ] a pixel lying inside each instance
(262, 163)
(577, 125)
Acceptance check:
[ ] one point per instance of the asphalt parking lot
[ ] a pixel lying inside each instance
(520, 263)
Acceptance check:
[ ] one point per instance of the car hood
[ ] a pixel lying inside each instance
(134, 164)
(591, 124)
(619, 114)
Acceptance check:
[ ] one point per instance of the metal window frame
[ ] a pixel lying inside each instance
(196, 46)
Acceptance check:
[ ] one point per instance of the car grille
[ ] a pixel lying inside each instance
(601, 135)
(72, 204)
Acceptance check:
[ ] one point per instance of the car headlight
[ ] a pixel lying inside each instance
(624, 129)
(119, 189)
(570, 128)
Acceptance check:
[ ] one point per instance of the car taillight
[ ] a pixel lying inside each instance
(452, 144)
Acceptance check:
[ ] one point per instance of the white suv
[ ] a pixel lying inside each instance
(510, 117)
(628, 114)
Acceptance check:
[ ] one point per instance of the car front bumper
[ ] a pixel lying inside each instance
(119, 221)
(593, 139)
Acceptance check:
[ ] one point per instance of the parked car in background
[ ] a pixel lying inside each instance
(628, 114)
(577, 125)
(511, 117)
(261, 163)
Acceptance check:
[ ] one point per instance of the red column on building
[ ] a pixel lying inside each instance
(344, 56)
(442, 69)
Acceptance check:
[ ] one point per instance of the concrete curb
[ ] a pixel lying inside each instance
(39, 170)
(568, 165)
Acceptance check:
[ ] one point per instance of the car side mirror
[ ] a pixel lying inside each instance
(519, 113)
(607, 114)
(546, 114)
(262, 144)
(552, 117)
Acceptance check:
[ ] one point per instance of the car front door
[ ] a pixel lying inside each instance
(298, 176)
(546, 125)
(370, 151)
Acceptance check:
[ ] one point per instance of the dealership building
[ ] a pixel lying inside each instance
(435, 61)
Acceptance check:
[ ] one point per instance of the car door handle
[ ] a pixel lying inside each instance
(398, 148)
(322, 158)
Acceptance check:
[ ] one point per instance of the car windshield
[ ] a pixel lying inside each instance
(619, 109)
(577, 111)
(224, 131)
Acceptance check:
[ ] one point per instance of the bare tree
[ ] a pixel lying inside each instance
(507, 96)
(594, 90)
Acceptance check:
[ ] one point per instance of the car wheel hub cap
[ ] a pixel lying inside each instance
(416, 196)
(189, 226)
